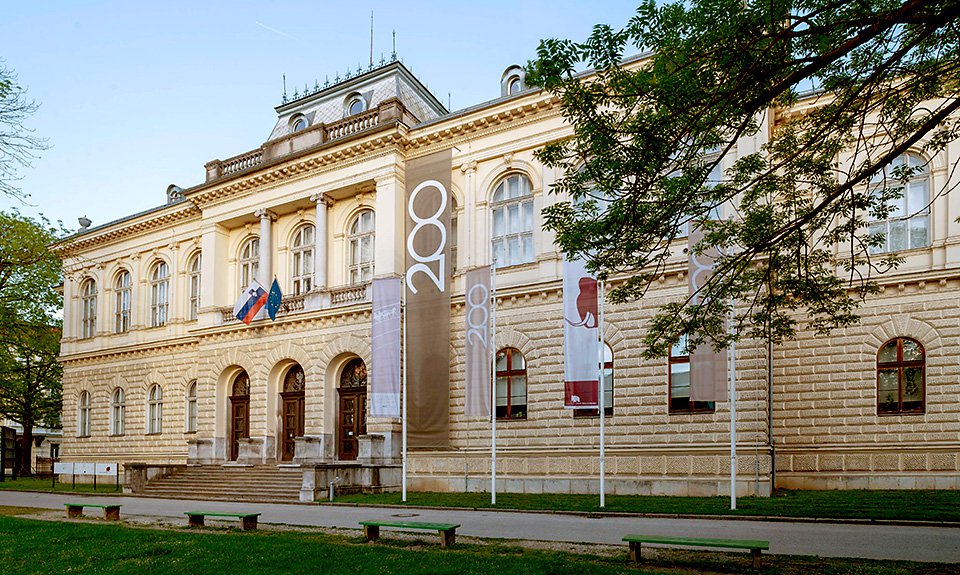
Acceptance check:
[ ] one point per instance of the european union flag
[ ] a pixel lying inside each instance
(274, 300)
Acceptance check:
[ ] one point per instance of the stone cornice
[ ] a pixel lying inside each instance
(138, 349)
(126, 229)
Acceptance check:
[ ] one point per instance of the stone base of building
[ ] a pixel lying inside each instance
(846, 481)
(679, 486)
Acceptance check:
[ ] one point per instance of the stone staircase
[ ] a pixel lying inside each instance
(260, 483)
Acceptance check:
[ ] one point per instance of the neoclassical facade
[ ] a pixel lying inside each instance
(158, 371)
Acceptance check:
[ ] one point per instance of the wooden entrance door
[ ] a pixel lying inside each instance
(352, 421)
(292, 423)
(239, 413)
(239, 423)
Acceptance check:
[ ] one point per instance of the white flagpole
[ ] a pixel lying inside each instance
(403, 382)
(493, 382)
(600, 384)
(733, 413)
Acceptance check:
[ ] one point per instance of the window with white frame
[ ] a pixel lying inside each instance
(88, 309)
(301, 274)
(122, 289)
(83, 415)
(249, 262)
(360, 239)
(118, 411)
(355, 105)
(192, 407)
(194, 268)
(512, 206)
(159, 294)
(908, 224)
(154, 410)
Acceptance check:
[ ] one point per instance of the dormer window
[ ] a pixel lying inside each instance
(355, 105)
(512, 81)
(299, 123)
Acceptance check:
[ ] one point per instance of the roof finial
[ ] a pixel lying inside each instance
(371, 38)
(393, 56)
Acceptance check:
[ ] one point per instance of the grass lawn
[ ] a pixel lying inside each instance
(34, 546)
(34, 484)
(904, 505)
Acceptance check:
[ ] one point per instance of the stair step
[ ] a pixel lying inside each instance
(213, 482)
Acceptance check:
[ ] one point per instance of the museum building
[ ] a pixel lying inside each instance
(161, 376)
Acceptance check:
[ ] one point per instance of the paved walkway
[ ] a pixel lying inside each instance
(941, 544)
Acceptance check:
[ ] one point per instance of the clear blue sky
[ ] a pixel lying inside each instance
(136, 96)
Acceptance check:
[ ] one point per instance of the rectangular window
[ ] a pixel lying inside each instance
(679, 365)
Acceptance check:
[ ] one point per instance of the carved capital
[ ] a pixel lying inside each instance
(264, 213)
(322, 199)
(469, 167)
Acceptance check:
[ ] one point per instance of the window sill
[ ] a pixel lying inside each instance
(116, 435)
(194, 432)
(153, 434)
(84, 436)
(896, 413)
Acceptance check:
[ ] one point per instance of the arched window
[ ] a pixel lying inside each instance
(118, 412)
(511, 384)
(302, 253)
(354, 374)
(295, 380)
(192, 407)
(88, 309)
(155, 410)
(249, 262)
(901, 364)
(300, 123)
(83, 415)
(607, 387)
(159, 294)
(679, 364)
(122, 288)
(360, 239)
(194, 270)
(908, 224)
(512, 221)
(514, 85)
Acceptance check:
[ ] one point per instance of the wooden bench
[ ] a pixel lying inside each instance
(248, 521)
(110, 512)
(448, 531)
(754, 546)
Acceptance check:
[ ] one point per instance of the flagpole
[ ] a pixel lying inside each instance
(733, 412)
(600, 384)
(403, 383)
(493, 382)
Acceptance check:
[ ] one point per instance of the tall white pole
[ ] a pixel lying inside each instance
(733, 412)
(403, 391)
(493, 383)
(600, 384)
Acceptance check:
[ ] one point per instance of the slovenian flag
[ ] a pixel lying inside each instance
(274, 300)
(251, 301)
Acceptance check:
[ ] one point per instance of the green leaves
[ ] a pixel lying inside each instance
(798, 104)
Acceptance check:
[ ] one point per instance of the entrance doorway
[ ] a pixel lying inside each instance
(239, 413)
(292, 401)
(352, 409)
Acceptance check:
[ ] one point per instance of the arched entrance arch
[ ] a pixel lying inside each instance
(292, 410)
(352, 408)
(239, 412)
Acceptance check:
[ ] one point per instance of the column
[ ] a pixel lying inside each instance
(388, 250)
(468, 245)
(320, 241)
(215, 280)
(266, 246)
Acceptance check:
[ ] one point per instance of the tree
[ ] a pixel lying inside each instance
(18, 144)
(30, 326)
(865, 82)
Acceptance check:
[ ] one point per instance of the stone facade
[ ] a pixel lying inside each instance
(825, 425)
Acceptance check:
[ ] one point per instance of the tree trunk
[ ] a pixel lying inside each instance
(26, 451)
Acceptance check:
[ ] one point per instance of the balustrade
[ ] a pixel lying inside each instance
(338, 296)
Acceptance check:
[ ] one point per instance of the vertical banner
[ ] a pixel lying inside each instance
(477, 289)
(428, 299)
(708, 368)
(581, 343)
(385, 337)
